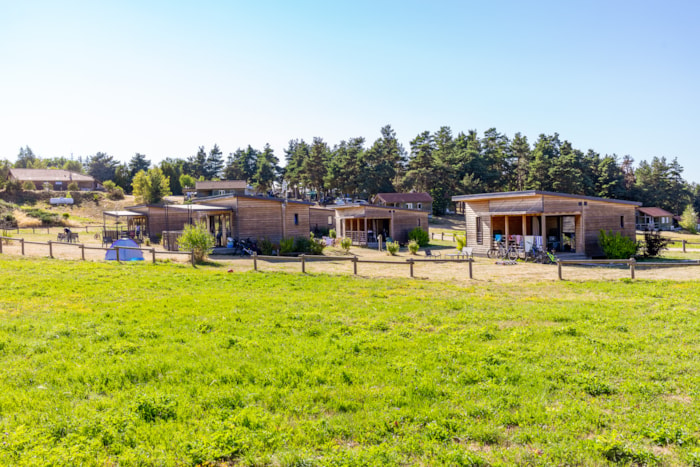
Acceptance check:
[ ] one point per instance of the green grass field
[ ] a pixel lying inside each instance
(140, 364)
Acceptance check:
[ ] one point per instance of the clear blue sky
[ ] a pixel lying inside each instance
(164, 77)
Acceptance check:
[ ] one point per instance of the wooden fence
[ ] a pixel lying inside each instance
(685, 242)
(83, 247)
(410, 262)
(441, 236)
(632, 263)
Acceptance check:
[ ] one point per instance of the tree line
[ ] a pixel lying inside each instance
(440, 163)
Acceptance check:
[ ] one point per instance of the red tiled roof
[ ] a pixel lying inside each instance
(403, 198)
(655, 212)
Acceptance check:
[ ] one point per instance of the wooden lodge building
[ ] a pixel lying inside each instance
(363, 223)
(257, 217)
(563, 222)
(54, 179)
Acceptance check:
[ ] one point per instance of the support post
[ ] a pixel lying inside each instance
(303, 264)
(194, 263)
(117, 249)
(683, 245)
(410, 266)
(21, 242)
(50, 249)
(442, 235)
(255, 260)
(471, 276)
(354, 265)
(1, 240)
(82, 252)
(632, 263)
(559, 270)
(153, 254)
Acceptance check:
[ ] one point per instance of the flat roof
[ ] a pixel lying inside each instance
(122, 213)
(518, 194)
(198, 207)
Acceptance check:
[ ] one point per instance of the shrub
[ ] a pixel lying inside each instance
(301, 244)
(689, 219)
(615, 246)
(286, 245)
(65, 215)
(332, 233)
(116, 194)
(461, 241)
(420, 236)
(345, 244)
(13, 186)
(316, 246)
(654, 243)
(413, 247)
(73, 186)
(46, 218)
(197, 238)
(266, 246)
(393, 248)
(27, 186)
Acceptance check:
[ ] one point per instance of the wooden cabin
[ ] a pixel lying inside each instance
(563, 222)
(258, 217)
(321, 219)
(419, 201)
(652, 218)
(54, 179)
(364, 223)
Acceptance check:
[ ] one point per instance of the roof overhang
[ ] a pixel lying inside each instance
(534, 193)
(123, 214)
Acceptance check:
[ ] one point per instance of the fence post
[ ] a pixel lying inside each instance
(683, 245)
(410, 266)
(470, 268)
(117, 248)
(194, 265)
(21, 242)
(86, 229)
(82, 251)
(255, 260)
(50, 250)
(559, 270)
(354, 265)
(442, 235)
(153, 253)
(632, 262)
(1, 240)
(303, 264)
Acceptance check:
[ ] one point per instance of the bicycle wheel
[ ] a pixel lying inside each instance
(512, 254)
(491, 253)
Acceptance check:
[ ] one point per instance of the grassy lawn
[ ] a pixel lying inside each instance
(168, 365)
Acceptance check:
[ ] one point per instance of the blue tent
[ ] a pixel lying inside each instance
(124, 254)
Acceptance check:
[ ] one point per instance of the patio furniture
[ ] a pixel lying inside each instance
(432, 254)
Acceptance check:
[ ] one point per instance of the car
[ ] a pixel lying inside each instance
(360, 201)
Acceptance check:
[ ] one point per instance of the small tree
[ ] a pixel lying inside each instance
(392, 248)
(654, 243)
(345, 244)
(615, 246)
(186, 181)
(461, 241)
(413, 247)
(28, 186)
(197, 238)
(689, 219)
(420, 236)
(151, 187)
(73, 186)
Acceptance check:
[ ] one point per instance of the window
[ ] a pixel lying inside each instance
(296, 219)
(330, 220)
(409, 205)
(419, 222)
(479, 232)
(419, 206)
(622, 222)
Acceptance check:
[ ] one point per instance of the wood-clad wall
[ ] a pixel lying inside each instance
(405, 221)
(302, 227)
(471, 209)
(176, 219)
(318, 218)
(606, 216)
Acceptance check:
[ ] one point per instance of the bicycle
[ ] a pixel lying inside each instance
(497, 251)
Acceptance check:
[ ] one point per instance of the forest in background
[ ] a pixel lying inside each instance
(440, 163)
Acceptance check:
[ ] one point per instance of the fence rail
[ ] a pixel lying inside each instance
(84, 247)
(633, 264)
(441, 235)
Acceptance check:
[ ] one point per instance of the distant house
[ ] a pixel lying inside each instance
(419, 201)
(559, 221)
(364, 223)
(221, 187)
(652, 218)
(56, 179)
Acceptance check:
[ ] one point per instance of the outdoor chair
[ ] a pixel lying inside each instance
(107, 241)
(431, 254)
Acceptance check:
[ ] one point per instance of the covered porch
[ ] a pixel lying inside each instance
(218, 219)
(127, 224)
(365, 231)
(561, 232)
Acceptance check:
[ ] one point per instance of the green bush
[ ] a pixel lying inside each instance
(286, 245)
(413, 247)
(301, 244)
(654, 243)
(116, 194)
(47, 218)
(345, 244)
(616, 246)
(393, 248)
(316, 246)
(461, 241)
(420, 236)
(689, 219)
(332, 233)
(73, 186)
(266, 246)
(197, 238)
(13, 186)
(28, 186)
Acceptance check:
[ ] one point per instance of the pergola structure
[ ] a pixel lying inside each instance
(136, 225)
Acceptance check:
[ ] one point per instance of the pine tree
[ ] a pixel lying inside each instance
(214, 163)
(266, 172)
(381, 165)
(137, 163)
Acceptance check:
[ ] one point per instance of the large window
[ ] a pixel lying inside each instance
(479, 232)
